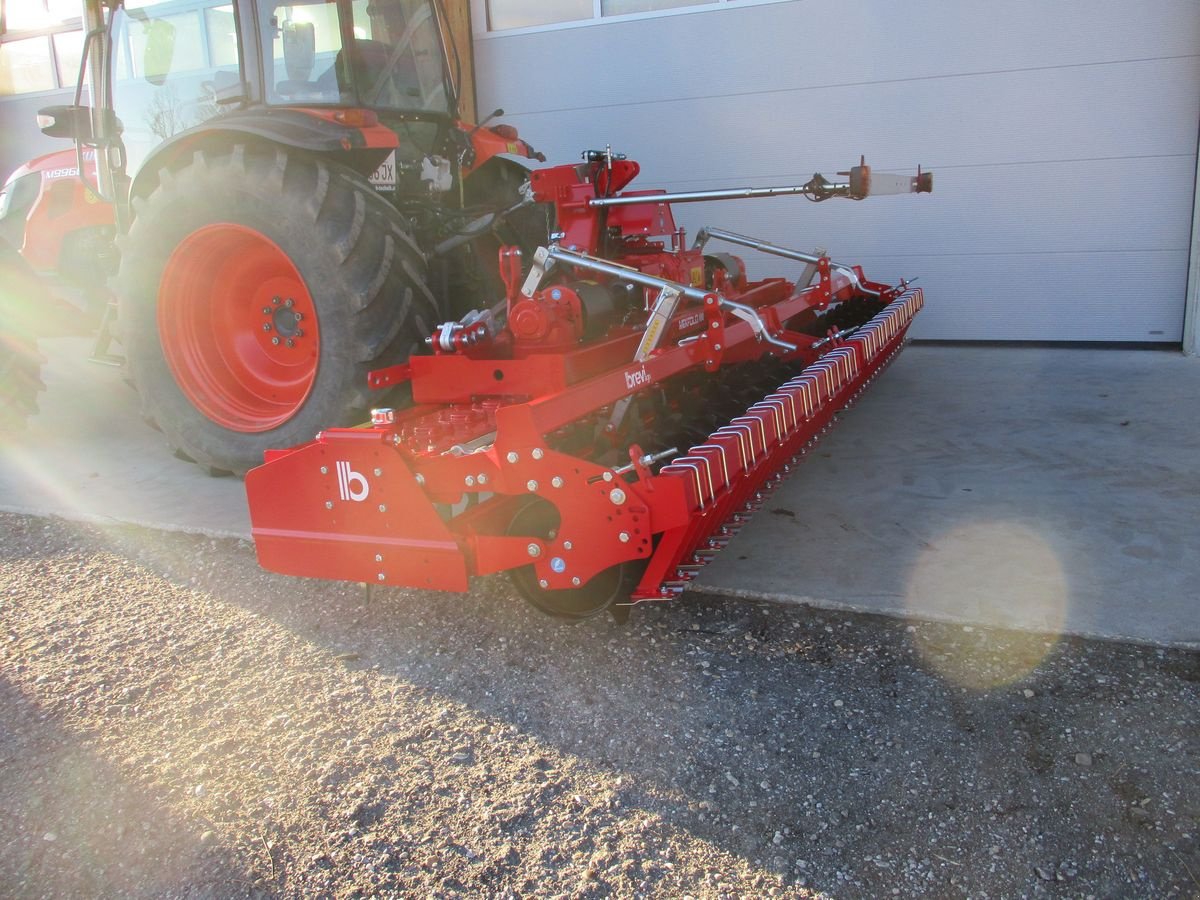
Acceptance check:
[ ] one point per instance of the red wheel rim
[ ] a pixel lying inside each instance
(238, 328)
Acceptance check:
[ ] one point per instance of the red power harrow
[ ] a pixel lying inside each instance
(608, 427)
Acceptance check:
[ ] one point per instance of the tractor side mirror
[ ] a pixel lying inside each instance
(299, 49)
(75, 123)
(159, 52)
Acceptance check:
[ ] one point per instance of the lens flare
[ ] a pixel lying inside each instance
(999, 573)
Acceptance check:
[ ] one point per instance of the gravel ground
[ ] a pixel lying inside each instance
(177, 722)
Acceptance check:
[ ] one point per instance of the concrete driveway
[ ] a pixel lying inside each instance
(1046, 489)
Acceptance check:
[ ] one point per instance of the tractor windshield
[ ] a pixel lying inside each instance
(179, 63)
(382, 54)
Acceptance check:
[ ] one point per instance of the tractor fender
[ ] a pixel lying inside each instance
(524, 162)
(503, 167)
(355, 137)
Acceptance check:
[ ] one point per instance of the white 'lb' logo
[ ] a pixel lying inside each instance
(351, 485)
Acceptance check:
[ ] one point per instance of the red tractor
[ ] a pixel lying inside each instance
(560, 386)
(287, 199)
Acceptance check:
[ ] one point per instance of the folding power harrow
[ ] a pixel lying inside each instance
(604, 431)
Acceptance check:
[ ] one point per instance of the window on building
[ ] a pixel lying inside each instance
(625, 7)
(504, 14)
(68, 51)
(507, 15)
(25, 66)
(31, 54)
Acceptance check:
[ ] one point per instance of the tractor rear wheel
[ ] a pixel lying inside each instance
(258, 287)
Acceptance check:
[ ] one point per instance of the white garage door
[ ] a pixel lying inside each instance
(1062, 135)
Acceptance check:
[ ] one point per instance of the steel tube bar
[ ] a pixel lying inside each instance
(741, 310)
(583, 261)
(742, 240)
(701, 196)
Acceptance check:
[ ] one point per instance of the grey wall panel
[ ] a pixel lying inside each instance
(808, 43)
(982, 297)
(1059, 140)
(20, 139)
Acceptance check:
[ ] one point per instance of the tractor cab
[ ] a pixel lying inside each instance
(280, 68)
(384, 55)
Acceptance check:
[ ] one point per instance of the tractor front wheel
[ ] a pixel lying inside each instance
(257, 289)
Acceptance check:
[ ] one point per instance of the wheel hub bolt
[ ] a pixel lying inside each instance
(266, 326)
(290, 342)
(534, 550)
(275, 341)
(266, 310)
(289, 302)
(276, 300)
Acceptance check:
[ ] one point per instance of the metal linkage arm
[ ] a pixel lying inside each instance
(862, 183)
(547, 256)
(704, 196)
(705, 234)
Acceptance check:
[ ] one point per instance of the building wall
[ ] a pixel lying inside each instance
(1063, 140)
(20, 139)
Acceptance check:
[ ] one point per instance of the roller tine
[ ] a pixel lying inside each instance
(750, 422)
(747, 442)
(777, 412)
(721, 450)
(803, 386)
(787, 404)
(707, 473)
(690, 463)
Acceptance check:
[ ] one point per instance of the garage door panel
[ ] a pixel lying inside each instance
(1023, 117)
(789, 46)
(1048, 297)
(1093, 205)
(1062, 138)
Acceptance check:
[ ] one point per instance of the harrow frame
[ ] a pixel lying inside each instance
(425, 496)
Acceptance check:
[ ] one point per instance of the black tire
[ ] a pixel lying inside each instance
(353, 252)
(21, 295)
(602, 594)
